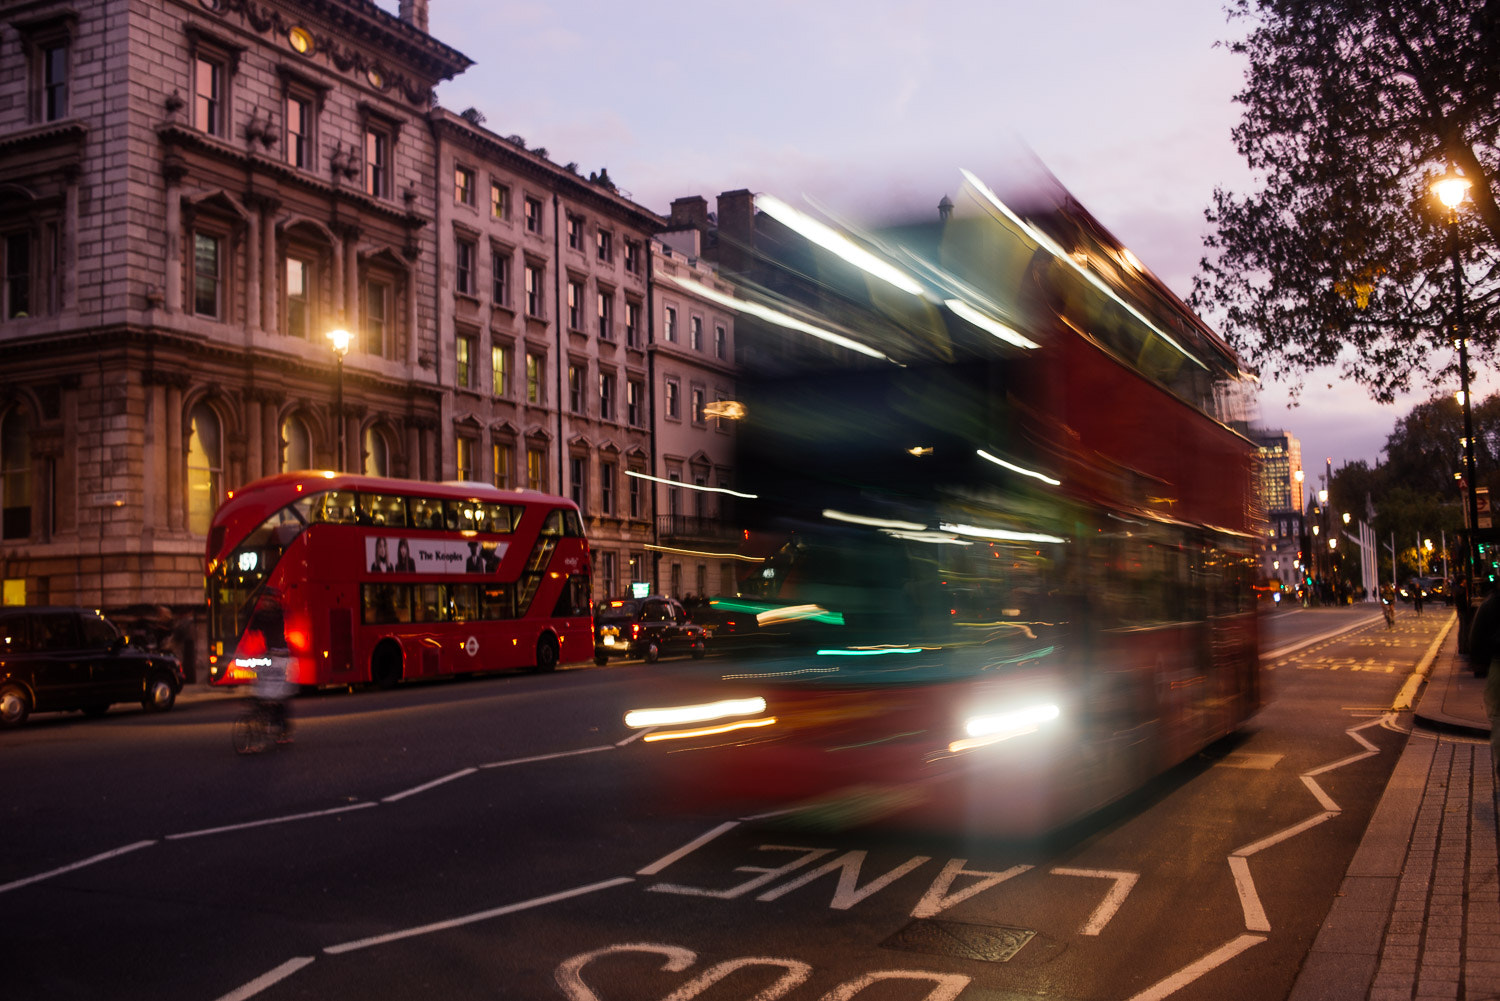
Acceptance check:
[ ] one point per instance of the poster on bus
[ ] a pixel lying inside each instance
(398, 554)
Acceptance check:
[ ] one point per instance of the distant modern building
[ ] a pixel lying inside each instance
(192, 195)
(1282, 503)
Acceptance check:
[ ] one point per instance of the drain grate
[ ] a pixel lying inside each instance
(985, 943)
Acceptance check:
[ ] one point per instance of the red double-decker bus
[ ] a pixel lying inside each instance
(382, 580)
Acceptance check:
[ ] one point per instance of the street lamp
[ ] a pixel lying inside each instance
(340, 339)
(1450, 190)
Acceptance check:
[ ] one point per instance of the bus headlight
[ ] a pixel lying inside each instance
(991, 728)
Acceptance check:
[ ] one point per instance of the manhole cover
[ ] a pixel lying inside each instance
(986, 943)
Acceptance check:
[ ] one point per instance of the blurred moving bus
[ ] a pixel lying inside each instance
(999, 521)
(382, 580)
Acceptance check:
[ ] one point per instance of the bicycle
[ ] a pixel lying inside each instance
(261, 725)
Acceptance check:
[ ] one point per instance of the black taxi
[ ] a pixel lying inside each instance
(648, 627)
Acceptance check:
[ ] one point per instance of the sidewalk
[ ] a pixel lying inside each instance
(1418, 914)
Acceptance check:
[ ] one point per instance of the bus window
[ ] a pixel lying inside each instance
(467, 515)
(431, 603)
(500, 519)
(572, 524)
(554, 523)
(385, 603)
(426, 512)
(574, 600)
(387, 510)
(464, 602)
(336, 506)
(496, 601)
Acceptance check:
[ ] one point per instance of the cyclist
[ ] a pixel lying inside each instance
(271, 687)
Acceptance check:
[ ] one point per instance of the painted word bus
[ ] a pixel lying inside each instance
(382, 580)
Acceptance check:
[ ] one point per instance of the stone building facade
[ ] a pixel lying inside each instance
(543, 333)
(194, 193)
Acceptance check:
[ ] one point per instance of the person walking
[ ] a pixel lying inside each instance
(272, 685)
(1484, 646)
(1417, 593)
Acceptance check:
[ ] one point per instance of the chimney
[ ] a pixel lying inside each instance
(945, 208)
(690, 212)
(736, 230)
(414, 13)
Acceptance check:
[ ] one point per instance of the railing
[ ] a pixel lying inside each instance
(684, 526)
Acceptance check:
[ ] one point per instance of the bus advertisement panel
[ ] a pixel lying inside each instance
(383, 580)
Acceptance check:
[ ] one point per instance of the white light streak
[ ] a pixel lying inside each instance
(673, 715)
(1000, 534)
(690, 486)
(832, 240)
(862, 519)
(989, 324)
(1019, 469)
(773, 316)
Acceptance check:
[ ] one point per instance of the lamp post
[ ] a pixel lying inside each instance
(1450, 190)
(340, 339)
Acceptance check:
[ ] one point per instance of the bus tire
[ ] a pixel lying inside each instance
(385, 664)
(601, 660)
(546, 653)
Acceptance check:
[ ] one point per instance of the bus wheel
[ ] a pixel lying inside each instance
(546, 653)
(385, 665)
(600, 659)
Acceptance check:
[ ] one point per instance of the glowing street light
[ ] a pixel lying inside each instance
(340, 339)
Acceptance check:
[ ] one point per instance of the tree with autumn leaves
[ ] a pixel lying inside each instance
(1351, 108)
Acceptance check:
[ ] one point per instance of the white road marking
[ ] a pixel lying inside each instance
(1324, 800)
(365, 943)
(1282, 835)
(101, 857)
(849, 891)
(1302, 644)
(1191, 972)
(548, 757)
(1342, 762)
(429, 785)
(687, 849)
(635, 736)
(1255, 914)
(265, 980)
(270, 820)
(794, 973)
(937, 898)
(569, 973)
(946, 986)
(1124, 883)
(809, 855)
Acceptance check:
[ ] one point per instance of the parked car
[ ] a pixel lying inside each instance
(54, 659)
(647, 628)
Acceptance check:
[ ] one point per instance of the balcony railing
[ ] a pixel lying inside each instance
(684, 526)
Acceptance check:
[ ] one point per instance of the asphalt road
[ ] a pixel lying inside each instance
(495, 838)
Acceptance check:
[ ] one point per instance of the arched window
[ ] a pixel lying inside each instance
(296, 445)
(205, 468)
(15, 476)
(377, 453)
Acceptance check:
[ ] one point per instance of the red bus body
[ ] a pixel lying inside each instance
(492, 579)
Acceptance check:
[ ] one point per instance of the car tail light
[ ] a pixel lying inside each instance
(635, 630)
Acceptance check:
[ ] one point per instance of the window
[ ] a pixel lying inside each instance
(55, 81)
(377, 309)
(669, 324)
(606, 315)
(673, 494)
(208, 275)
(670, 401)
(15, 476)
(700, 498)
(575, 232)
(502, 458)
(635, 496)
(606, 244)
(632, 324)
(575, 305)
(16, 291)
(377, 453)
(299, 144)
(205, 467)
(578, 481)
(533, 215)
(377, 162)
(534, 370)
(536, 469)
(208, 96)
(635, 414)
(499, 370)
(606, 396)
(576, 375)
(463, 263)
(296, 445)
(298, 311)
(463, 458)
(697, 400)
(500, 275)
(463, 186)
(534, 283)
(463, 360)
(606, 566)
(697, 333)
(721, 338)
(632, 256)
(499, 200)
(607, 489)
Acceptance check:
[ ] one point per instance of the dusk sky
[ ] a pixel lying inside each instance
(871, 108)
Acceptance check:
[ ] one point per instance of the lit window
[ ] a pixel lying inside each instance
(533, 215)
(503, 457)
(575, 305)
(205, 468)
(500, 370)
(499, 200)
(377, 163)
(463, 358)
(463, 458)
(298, 298)
(606, 315)
(463, 186)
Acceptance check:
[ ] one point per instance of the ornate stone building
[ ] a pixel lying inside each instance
(192, 194)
